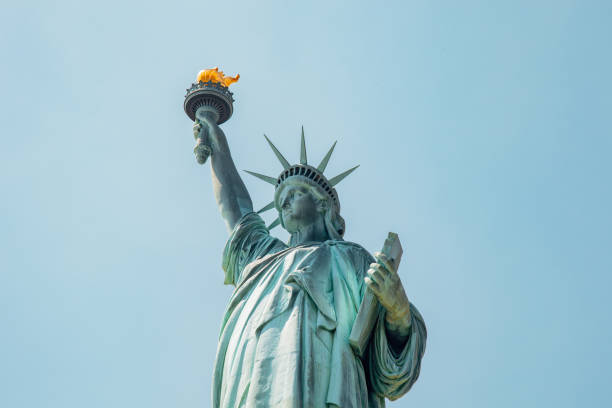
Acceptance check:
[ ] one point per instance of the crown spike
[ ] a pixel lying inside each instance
(303, 159)
(266, 208)
(274, 224)
(334, 181)
(267, 179)
(325, 160)
(278, 154)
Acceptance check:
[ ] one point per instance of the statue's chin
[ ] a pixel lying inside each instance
(291, 230)
(290, 227)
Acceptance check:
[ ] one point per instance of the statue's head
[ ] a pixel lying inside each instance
(301, 201)
(303, 195)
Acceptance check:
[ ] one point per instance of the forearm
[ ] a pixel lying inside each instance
(392, 370)
(398, 328)
(231, 194)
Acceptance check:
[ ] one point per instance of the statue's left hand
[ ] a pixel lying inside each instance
(385, 283)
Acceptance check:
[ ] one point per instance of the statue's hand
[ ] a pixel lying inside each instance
(385, 283)
(202, 148)
(197, 129)
(207, 133)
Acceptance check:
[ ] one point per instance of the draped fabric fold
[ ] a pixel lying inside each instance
(284, 338)
(390, 374)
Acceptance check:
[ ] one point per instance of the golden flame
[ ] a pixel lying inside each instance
(216, 76)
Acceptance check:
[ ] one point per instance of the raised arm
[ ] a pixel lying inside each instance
(232, 196)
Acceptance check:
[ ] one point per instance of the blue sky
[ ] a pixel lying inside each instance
(483, 130)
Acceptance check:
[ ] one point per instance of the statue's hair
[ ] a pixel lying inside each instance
(334, 223)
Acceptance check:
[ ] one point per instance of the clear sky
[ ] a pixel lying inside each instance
(484, 134)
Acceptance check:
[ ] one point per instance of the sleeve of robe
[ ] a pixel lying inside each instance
(391, 374)
(248, 241)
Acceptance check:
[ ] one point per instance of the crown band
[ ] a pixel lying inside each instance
(310, 173)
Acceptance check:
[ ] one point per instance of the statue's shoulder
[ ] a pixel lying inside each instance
(352, 249)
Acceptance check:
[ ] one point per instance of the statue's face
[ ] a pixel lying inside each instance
(298, 208)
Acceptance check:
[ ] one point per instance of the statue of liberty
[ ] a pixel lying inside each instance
(284, 337)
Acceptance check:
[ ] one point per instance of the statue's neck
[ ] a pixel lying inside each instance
(315, 232)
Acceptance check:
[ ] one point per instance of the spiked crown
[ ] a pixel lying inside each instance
(302, 172)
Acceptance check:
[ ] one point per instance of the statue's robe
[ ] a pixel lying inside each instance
(284, 338)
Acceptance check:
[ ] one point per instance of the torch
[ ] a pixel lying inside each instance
(209, 98)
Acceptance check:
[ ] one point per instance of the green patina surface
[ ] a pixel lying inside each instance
(284, 341)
